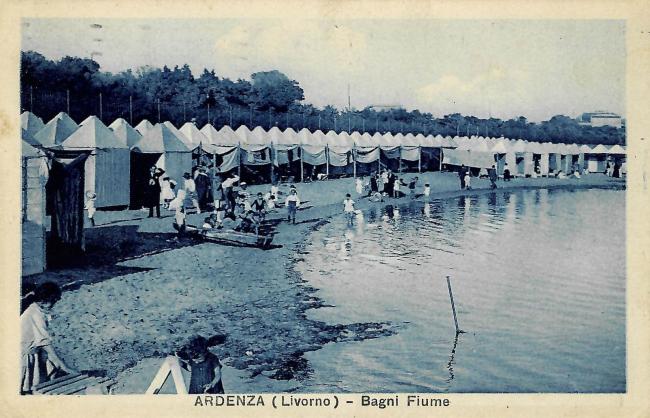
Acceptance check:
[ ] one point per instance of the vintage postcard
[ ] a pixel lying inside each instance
(336, 208)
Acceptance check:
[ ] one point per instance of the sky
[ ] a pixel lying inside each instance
(501, 68)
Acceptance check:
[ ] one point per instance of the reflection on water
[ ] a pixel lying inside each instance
(538, 280)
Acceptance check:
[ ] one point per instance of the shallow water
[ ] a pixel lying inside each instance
(538, 278)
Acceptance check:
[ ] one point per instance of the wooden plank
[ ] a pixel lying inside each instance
(63, 384)
(55, 381)
(92, 382)
(77, 386)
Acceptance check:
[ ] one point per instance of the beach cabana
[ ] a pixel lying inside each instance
(56, 130)
(540, 157)
(125, 132)
(389, 151)
(162, 148)
(503, 155)
(202, 150)
(196, 138)
(225, 147)
(597, 159)
(31, 123)
(366, 154)
(255, 155)
(618, 155)
(27, 137)
(339, 154)
(584, 151)
(430, 151)
(410, 155)
(34, 177)
(284, 150)
(313, 153)
(524, 164)
(143, 126)
(107, 167)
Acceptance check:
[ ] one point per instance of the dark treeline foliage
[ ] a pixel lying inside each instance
(78, 86)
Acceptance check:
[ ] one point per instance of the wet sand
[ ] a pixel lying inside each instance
(140, 294)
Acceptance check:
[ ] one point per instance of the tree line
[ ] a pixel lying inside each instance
(79, 87)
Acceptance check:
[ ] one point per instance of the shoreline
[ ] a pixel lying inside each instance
(265, 319)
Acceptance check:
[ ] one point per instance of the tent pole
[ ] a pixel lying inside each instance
(272, 152)
(354, 162)
(239, 160)
(400, 159)
(327, 161)
(419, 159)
(440, 160)
(302, 170)
(379, 161)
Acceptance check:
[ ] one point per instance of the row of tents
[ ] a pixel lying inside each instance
(119, 155)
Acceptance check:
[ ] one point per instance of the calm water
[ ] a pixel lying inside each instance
(538, 280)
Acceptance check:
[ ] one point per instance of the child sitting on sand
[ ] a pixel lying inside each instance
(292, 203)
(204, 367)
(259, 207)
(348, 209)
(246, 222)
(90, 206)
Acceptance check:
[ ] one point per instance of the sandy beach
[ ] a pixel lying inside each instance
(140, 294)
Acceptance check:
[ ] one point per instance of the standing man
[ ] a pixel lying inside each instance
(152, 191)
(492, 174)
(203, 188)
(374, 187)
(228, 186)
(461, 175)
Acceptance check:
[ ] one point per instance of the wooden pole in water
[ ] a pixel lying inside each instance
(453, 307)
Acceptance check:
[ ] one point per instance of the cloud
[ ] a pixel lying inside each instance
(493, 88)
(305, 47)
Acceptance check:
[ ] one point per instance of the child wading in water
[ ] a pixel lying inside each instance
(292, 204)
(467, 181)
(204, 367)
(90, 206)
(427, 190)
(348, 209)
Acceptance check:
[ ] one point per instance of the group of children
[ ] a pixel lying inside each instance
(395, 191)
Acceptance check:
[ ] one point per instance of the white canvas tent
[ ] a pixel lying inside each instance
(56, 130)
(34, 176)
(107, 169)
(31, 123)
(125, 132)
(161, 147)
(143, 126)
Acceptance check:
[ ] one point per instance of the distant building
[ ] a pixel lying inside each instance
(379, 108)
(600, 118)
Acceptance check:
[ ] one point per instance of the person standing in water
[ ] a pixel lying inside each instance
(348, 209)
